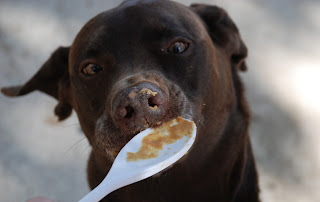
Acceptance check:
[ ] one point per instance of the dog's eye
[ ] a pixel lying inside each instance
(178, 47)
(91, 69)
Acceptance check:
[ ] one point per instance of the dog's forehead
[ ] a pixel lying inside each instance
(137, 15)
(135, 2)
(149, 12)
(133, 22)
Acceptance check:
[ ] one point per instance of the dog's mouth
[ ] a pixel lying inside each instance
(112, 150)
(110, 139)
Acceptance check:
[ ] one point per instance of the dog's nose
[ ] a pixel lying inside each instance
(139, 107)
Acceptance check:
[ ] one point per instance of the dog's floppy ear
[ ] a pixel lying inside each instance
(52, 79)
(223, 32)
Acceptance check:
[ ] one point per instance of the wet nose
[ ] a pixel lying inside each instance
(139, 107)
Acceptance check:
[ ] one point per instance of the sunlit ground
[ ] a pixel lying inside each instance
(39, 156)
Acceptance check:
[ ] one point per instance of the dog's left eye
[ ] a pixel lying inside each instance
(178, 47)
(91, 69)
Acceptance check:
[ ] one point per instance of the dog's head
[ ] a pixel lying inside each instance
(142, 64)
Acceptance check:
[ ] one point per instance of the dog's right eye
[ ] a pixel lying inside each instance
(91, 69)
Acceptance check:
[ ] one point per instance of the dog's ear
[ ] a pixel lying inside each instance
(223, 32)
(52, 79)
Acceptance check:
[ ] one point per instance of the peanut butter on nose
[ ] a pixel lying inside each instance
(143, 91)
(132, 95)
(155, 107)
(167, 133)
(148, 91)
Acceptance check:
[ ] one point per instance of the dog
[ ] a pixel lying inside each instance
(142, 64)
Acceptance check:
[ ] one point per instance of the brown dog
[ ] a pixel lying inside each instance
(147, 62)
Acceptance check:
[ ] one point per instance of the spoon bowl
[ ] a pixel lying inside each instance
(146, 154)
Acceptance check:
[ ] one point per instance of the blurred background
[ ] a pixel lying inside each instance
(39, 156)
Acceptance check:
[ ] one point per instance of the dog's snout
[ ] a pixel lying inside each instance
(139, 107)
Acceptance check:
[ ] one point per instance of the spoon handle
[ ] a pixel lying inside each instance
(100, 191)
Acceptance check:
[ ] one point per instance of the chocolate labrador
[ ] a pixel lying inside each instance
(142, 64)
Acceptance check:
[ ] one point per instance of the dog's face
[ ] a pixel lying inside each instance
(140, 65)
(151, 62)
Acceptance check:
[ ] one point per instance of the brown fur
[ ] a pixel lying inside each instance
(201, 84)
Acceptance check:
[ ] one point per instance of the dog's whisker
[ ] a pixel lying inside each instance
(75, 144)
(87, 147)
(72, 125)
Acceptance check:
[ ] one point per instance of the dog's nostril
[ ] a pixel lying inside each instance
(155, 101)
(129, 112)
(152, 103)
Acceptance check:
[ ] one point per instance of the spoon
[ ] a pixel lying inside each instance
(146, 154)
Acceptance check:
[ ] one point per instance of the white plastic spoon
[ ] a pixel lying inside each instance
(149, 152)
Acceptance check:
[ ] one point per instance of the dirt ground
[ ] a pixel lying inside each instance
(39, 156)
